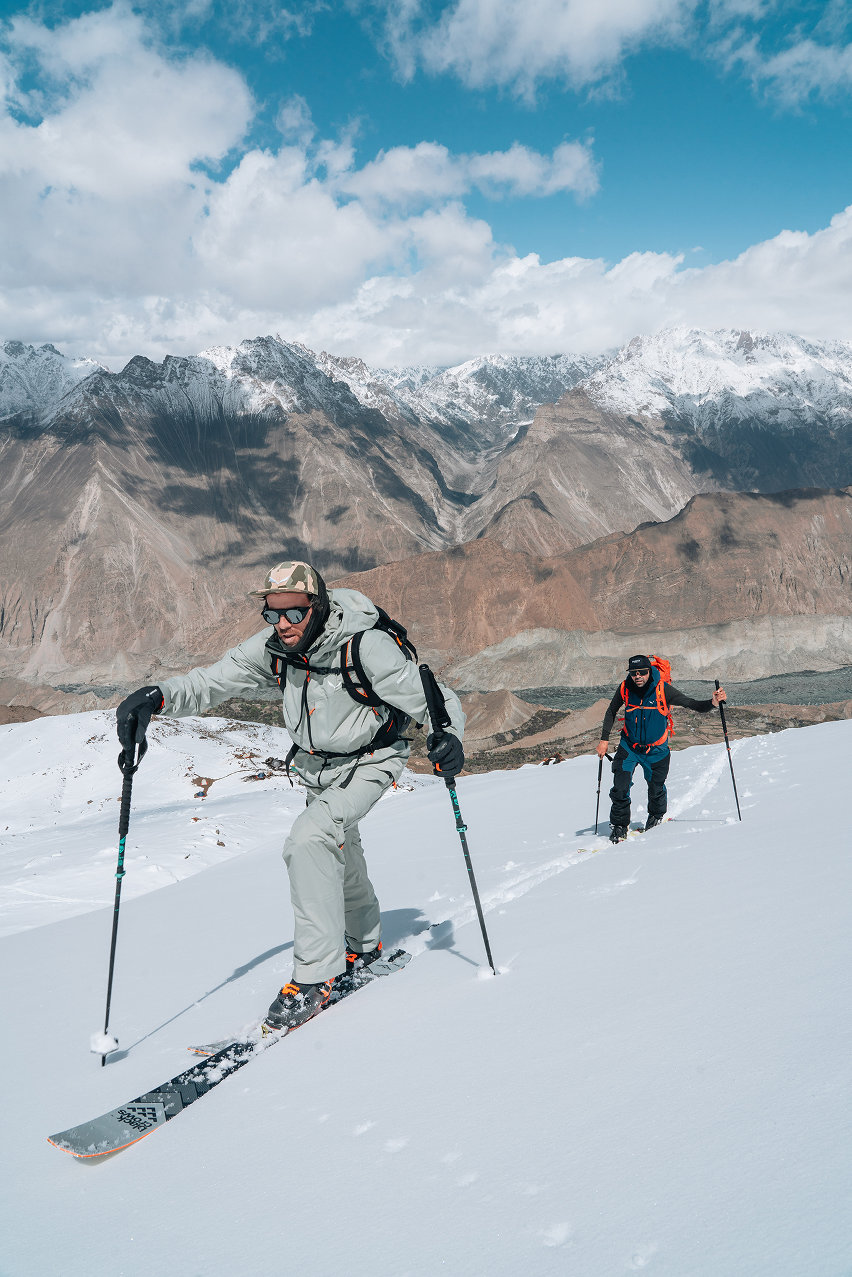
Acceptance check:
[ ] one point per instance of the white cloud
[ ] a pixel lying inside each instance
(524, 172)
(118, 119)
(517, 43)
(520, 44)
(803, 70)
(795, 282)
(117, 242)
(294, 120)
(428, 172)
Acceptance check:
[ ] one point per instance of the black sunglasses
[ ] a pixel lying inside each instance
(272, 615)
(639, 672)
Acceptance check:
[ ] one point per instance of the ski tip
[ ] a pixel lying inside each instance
(90, 1157)
(92, 1154)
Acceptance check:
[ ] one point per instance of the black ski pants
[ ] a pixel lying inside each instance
(656, 768)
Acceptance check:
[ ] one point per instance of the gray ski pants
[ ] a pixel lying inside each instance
(333, 899)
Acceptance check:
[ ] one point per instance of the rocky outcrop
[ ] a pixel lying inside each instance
(581, 472)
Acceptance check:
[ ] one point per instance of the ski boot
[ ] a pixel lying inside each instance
(357, 971)
(652, 821)
(618, 833)
(296, 1004)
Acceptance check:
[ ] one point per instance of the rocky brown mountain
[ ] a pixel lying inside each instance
(744, 584)
(135, 506)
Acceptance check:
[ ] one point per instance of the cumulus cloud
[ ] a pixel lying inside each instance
(803, 70)
(409, 175)
(518, 43)
(136, 219)
(794, 282)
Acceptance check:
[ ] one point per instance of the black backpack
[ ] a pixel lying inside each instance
(355, 680)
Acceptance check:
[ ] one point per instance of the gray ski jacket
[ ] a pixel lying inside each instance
(338, 724)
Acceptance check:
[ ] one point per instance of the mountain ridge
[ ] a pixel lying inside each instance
(135, 504)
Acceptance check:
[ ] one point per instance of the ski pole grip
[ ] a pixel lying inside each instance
(438, 716)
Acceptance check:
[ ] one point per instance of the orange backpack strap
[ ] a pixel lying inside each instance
(662, 706)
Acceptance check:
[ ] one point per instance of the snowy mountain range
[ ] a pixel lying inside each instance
(711, 380)
(705, 380)
(267, 374)
(135, 503)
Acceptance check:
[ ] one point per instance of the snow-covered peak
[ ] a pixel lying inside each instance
(33, 380)
(707, 378)
(489, 390)
(258, 375)
(370, 387)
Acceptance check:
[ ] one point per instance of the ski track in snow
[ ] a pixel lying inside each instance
(709, 773)
(709, 776)
(693, 781)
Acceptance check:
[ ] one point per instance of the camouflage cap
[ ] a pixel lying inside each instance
(291, 575)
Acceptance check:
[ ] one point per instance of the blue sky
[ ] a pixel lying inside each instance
(420, 182)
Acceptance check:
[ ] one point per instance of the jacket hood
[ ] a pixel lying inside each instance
(349, 613)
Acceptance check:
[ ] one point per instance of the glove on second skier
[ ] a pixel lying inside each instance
(444, 751)
(133, 716)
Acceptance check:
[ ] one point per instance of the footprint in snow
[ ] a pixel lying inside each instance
(557, 1235)
(642, 1257)
(363, 1128)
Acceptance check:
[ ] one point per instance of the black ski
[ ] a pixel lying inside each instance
(131, 1122)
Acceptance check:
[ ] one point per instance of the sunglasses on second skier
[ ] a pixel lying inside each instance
(295, 615)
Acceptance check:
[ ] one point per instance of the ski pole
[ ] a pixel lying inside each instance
(608, 758)
(128, 767)
(728, 747)
(440, 720)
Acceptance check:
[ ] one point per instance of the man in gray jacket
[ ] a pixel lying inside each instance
(345, 750)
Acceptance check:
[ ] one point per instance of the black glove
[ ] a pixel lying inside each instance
(444, 751)
(133, 716)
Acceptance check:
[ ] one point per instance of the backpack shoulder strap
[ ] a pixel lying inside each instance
(359, 687)
(279, 669)
(663, 707)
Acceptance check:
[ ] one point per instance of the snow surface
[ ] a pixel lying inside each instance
(658, 1079)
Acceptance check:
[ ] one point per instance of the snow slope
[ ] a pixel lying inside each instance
(658, 1080)
(34, 381)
